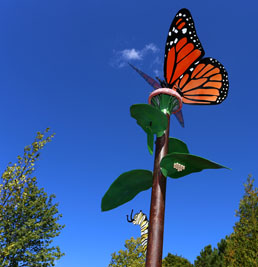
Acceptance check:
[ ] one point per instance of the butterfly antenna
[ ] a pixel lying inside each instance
(131, 219)
(160, 81)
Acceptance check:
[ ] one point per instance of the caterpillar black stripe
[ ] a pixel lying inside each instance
(141, 219)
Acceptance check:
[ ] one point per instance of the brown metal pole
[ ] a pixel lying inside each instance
(157, 209)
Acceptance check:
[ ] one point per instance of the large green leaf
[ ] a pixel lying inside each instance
(171, 164)
(149, 118)
(176, 145)
(125, 188)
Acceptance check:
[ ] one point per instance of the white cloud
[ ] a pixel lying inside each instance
(152, 47)
(131, 54)
(121, 57)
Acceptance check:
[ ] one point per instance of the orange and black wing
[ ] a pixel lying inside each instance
(183, 47)
(206, 82)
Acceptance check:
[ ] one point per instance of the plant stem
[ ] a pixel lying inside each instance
(157, 209)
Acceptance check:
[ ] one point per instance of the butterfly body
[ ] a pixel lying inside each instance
(157, 85)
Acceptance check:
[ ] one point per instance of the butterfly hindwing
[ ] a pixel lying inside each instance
(183, 47)
(206, 82)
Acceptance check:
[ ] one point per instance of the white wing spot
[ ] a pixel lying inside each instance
(184, 30)
(176, 40)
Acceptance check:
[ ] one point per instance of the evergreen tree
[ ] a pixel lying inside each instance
(206, 257)
(242, 245)
(212, 257)
(28, 218)
(220, 252)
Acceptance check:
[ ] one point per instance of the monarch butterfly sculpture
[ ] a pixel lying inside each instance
(141, 219)
(201, 81)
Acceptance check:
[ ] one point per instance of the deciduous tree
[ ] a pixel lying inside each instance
(28, 217)
(175, 261)
(133, 255)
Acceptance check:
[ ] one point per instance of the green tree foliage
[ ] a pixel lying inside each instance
(175, 261)
(211, 257)
(242, 245)
(205, 258)
(133, 255)
(220, 252)
(28, 218)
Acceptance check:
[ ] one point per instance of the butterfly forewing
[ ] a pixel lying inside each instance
(183, 47)
(204, 83)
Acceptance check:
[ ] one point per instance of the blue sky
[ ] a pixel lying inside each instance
(62, 66)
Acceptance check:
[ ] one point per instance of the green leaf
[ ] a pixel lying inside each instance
(177, 165)
(176, 145)
(150, 140)
(149, 118)
(164, 172)
(125, 188)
